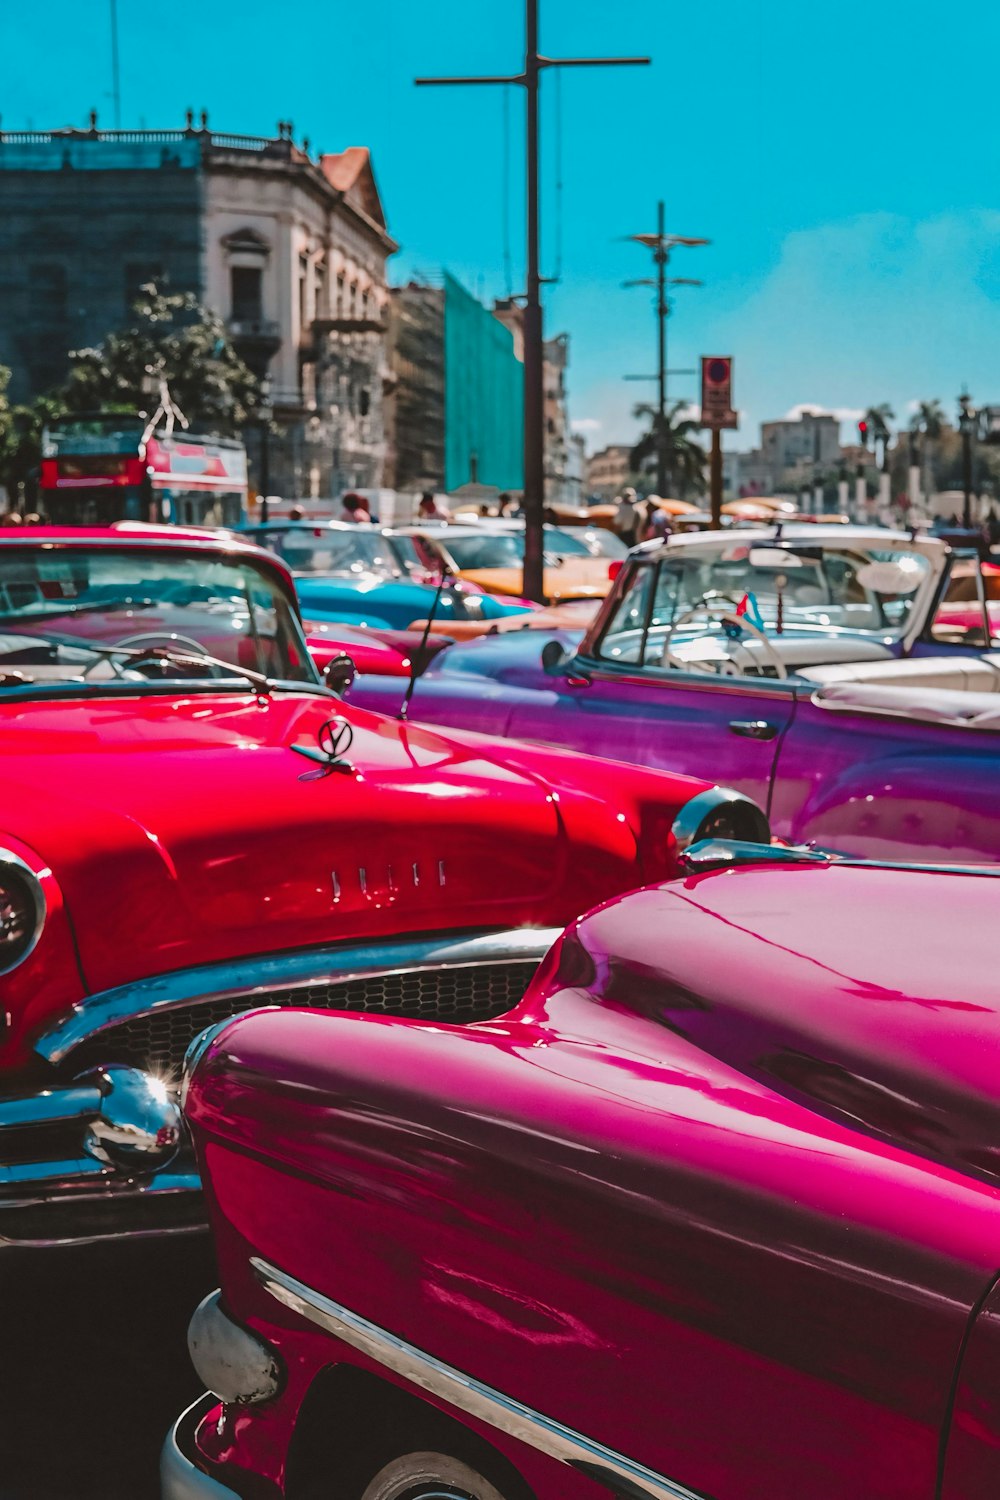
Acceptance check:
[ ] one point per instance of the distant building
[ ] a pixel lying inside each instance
(790, 449)
(562, 469)
(608, 471)
(456, 408)
(289, 249)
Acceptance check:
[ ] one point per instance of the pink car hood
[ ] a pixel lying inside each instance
(184, 830)
(868, 994)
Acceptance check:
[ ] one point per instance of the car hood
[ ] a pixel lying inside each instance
(575, 578)
(185, 830)
(868, 993)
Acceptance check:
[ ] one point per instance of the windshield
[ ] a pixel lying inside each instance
(505, 549)
(342, 554)
(803, 589)
(105, 614)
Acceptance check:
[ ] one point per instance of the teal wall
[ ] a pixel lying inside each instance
(483, 394)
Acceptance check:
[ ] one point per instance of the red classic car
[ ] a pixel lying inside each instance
(713, 1211)
(193, 823)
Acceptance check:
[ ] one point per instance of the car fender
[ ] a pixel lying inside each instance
(938, 807)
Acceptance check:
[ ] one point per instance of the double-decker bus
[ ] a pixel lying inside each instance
(104, 468)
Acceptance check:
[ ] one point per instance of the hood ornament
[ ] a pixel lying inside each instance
(333, 739)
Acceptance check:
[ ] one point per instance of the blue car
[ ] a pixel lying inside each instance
(362, 575)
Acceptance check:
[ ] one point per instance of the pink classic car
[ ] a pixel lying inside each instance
(713, 1211)
(192, 823)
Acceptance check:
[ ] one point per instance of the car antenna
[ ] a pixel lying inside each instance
(418, 655)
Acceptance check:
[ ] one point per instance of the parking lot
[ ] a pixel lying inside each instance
(95, 1366)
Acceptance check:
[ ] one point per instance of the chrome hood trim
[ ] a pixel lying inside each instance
(252, 979)
(467, 1394)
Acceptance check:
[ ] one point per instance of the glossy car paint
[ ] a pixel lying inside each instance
(868, 784)
(393, 605)
(721, 1193)
(178, 828)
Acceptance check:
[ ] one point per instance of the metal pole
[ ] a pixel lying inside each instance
(534, 388)
(115, 75)
(661, 318)
(967, 475)
(715, 480)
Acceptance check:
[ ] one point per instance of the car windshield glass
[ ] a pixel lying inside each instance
(811, 590)
(63, 610)
(505, 549)
(321, 549)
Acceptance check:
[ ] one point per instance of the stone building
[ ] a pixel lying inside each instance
(608, 471)
(288, 247)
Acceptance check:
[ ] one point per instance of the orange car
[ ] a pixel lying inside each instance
(492, 557)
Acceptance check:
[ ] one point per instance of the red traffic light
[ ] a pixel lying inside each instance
(863, 433)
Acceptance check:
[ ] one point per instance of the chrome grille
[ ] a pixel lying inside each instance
(158, 1040)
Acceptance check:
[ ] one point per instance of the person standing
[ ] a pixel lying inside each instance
(627, 519)
(355, 509)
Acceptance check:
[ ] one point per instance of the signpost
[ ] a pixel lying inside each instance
(717, 412)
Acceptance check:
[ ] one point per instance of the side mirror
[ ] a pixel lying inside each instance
(554, 658)
(340, 673)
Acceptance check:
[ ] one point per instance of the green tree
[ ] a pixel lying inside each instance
(686, 458)
(173, 338)
(878, 419)
(929, 421)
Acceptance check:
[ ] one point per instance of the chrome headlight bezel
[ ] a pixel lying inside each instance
(13, 867)
(748, 823)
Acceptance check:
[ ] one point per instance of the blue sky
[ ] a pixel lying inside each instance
(843, 162)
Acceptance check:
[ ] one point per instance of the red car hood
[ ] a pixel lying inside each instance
(185, 830)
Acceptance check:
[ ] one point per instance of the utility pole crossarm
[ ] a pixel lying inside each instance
(500, 78)
(535, 63)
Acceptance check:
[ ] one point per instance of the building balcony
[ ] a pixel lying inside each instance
(260, 336)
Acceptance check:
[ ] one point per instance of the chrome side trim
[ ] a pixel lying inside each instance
(689, 823)
(467, 1394)
(247, 979)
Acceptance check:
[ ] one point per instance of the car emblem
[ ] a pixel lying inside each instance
(333, 739)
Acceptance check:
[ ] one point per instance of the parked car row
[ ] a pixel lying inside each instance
(561, 1132)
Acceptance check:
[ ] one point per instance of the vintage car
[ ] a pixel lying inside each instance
(370, 577)
(811, 670)
(714, 1211)
(490, 555)
(193, 822)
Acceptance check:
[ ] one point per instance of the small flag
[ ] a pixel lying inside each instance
(749, 609)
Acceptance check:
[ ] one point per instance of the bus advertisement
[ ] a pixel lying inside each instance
(100, 469)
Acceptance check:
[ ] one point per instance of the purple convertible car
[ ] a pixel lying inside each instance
(843, 677)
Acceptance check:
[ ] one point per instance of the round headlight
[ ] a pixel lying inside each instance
(22, 911)
(719, 813)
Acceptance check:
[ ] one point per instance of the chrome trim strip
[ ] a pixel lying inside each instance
(50, 1107)
(467, 1394)
(9, 860)
(253, 978)
(180, 1479)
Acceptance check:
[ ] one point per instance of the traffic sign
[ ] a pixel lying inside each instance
(717, 391)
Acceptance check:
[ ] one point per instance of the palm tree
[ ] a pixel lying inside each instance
(686, 458)
(928, 420)
(878, 419)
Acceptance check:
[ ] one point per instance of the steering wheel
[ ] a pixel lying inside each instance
(150, 638)
(722, 607)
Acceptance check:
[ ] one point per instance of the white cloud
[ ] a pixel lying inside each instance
(586, 424)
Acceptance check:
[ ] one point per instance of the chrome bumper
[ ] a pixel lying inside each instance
(105, 1151)
(180, 1479)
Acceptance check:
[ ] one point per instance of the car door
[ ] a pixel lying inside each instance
(620, 701)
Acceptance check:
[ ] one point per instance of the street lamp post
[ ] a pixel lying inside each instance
(661, 245)
(534, 386)
(967, 418)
